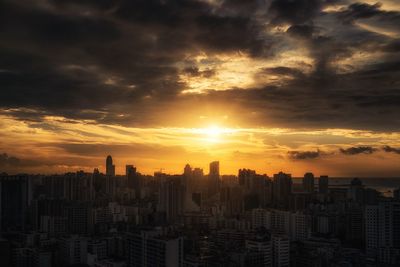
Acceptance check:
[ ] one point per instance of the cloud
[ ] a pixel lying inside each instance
(391, 149)
(295, 12)
(195, 72)
(304, 155)
(121, 62)
(360, 11)
(302, 31)
(9, 160)
(358, 150)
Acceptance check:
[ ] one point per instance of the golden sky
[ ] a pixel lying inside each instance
(59, 144)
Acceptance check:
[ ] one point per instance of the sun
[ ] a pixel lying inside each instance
(214, 133)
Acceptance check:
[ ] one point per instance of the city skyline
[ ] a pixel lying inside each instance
(270, 84)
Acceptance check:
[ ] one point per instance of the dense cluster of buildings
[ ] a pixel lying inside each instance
(193, 220)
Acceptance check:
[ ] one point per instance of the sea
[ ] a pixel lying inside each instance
(385, 185)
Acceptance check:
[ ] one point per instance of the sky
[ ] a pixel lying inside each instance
(271, 85)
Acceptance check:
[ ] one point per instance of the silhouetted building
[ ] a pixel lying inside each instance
(110, 168)
(382, 230)
(73, 250)
(15, 196)
(282, 188)
(323, 184)
(153, 248)
(247, 179)
(134, 180)
(171, 199)
(308, 182)
(213, 178)
(356, 191)
(262, 247)
(396, 194)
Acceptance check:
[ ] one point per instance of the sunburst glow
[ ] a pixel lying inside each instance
(213, 133)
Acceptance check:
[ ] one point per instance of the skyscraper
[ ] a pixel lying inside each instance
(187, 178)
(323, 184)
(213, 178)
(15, 198)
(152, 248)
(382, 229)
(171, 199)
(282, 188)
(134, 181)
(308, 182)
(263, 246)
(110, 168)
(280, 250)
(73, 250)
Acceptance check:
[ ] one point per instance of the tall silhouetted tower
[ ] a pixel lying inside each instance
(282, 189)
(323, 184)
(134, 180)
(308, 182)
(213, 178)
(110, 168)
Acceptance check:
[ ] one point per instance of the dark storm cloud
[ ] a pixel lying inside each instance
(391, 149)
(360, 11)
(304, 155)
(120, 61)
(365, 11)
(8, 160)
(358, 150)
(62, 59)
(392, 46)
(302, 31)
(294, 11)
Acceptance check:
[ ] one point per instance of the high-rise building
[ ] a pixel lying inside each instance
(396, 194)
(261, 218)
(5, 252)
(308, 182)
(280, 251)
(282, 189)
(152, 248)
(134, 180)
(263, 246)
(187, 178)
(247, 179)
(371, 231)
(110, 168)
(79, 185)
(198, 179)
(382, 230)
(73, 250)
(15, 197)
(300, 225)
(79, 217)
(280, 222)
(356, 191)
(171, 199)
(323, 184)
(213, 178)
